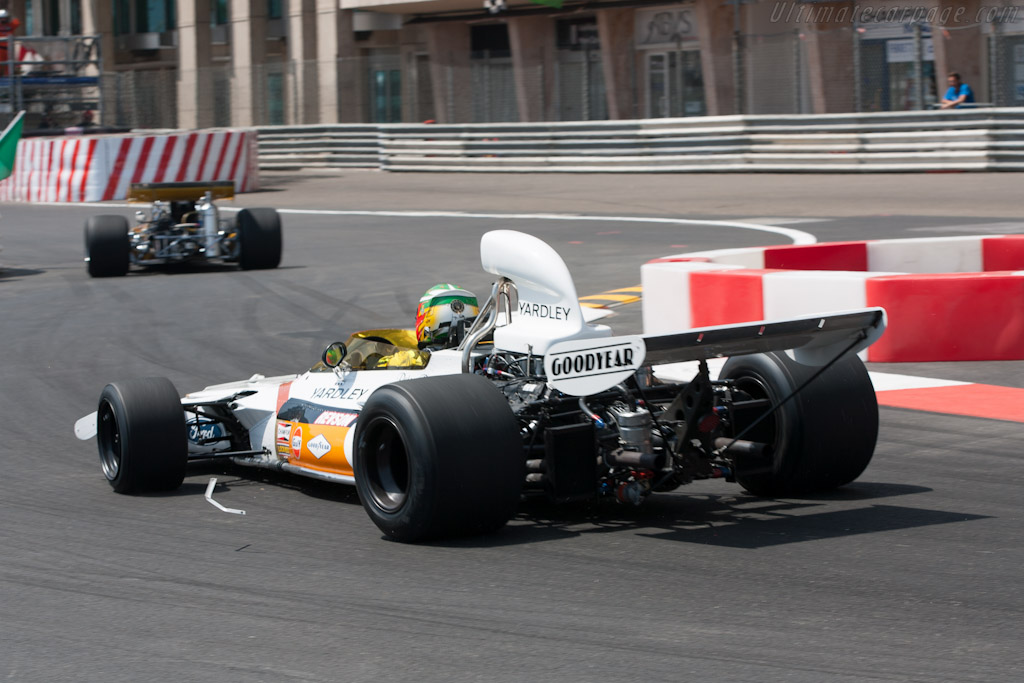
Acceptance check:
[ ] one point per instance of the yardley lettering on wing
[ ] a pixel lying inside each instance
(544, 311)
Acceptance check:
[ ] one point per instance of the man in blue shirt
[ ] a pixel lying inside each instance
(957, 94)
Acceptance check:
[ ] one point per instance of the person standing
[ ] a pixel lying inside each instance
(958, 93)
(8, 25)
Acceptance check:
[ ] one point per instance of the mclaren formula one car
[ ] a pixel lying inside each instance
(182, 224)
(527, 397)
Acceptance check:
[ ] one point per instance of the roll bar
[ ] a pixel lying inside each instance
(502, 293)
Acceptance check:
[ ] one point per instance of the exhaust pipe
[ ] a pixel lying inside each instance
(637, 460)
(751, 449)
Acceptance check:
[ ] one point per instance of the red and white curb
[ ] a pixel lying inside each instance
(947, 298)
(949, 397)
(101, 167)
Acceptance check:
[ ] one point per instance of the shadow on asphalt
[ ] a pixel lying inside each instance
(734, 521)
(15, 273)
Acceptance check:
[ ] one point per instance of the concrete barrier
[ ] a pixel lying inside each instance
(97, 168)
(950, 298)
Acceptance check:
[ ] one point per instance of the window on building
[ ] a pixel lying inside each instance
(122, 17)
(489, 40)
(219, 16)
(219, 12)
(493, 93)
(154, 16)
(275, 9)
(137, 16)
(51, 18)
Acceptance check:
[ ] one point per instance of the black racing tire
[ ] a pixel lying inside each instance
(141, 434)
(822, 438)
(107, 246)
(259, 239)
(438, 457)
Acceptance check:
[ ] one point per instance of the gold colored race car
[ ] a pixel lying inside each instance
(182, 225)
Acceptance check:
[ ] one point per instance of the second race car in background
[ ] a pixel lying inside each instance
(182, 225)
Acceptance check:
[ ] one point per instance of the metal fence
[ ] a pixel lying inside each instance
(775, 76)
(1006, 59)
(53, 78)
(782, 72)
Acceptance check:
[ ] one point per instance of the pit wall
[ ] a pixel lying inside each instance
(956, 298)
(101, 167)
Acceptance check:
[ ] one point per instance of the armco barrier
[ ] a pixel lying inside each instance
(951, 298)
(983, 139)
(101, 167)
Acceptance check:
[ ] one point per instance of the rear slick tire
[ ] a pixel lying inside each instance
(438, 457)
(141, 435)
(823, 438)
(259, 238)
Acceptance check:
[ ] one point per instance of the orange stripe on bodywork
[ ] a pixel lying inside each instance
(282, 395)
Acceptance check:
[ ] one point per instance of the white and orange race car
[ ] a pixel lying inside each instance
(527, 397)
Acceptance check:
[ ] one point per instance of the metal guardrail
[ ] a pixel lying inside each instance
(968, 140)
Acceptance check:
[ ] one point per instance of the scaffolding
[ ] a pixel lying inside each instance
(54, 79)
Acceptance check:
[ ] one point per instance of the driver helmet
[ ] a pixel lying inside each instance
(440, 307)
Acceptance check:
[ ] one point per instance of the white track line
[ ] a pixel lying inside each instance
(796, 236)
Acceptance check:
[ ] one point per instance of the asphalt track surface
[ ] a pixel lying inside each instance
(912, 573)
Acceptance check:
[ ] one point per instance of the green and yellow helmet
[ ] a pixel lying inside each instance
(441, 306)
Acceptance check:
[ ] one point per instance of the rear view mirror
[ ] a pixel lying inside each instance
(334, 354)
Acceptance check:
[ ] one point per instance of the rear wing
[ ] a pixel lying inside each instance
(169, 192)
(811, 341)
(583, 367)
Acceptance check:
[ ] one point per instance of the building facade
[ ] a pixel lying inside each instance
(204, 63)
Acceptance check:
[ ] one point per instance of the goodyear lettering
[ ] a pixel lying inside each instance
(334, 418)
(319, 446)
(598, 360)
(544, 311)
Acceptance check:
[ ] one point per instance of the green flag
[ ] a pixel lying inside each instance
(9, 145)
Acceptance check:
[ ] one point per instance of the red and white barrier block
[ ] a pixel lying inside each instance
(101, 167)
(954, 298)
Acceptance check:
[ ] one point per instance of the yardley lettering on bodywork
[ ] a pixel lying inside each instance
(601, 360)
(544, 311)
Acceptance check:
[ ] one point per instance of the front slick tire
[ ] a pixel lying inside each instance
(823, 437)
(140, 431)
(438, 457)
(107, 246)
